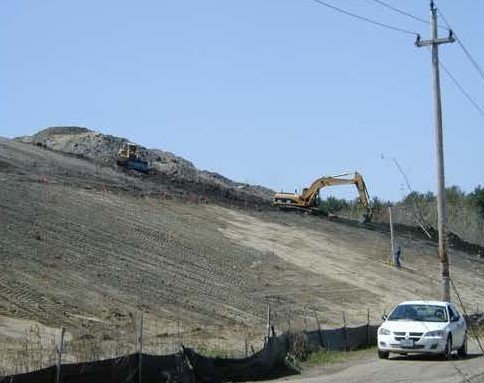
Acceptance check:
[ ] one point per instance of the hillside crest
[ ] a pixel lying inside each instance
(102, 148)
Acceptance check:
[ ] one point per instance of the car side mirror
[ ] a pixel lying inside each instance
(384, 317)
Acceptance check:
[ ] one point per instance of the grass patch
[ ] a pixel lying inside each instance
(213, 352)
(324, 357)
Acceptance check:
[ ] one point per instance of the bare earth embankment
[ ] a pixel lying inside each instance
(87, 246)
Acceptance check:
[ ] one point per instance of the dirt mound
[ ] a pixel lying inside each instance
(100, 147)
(165, 166)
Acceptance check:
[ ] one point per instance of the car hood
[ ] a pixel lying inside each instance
(413, 326)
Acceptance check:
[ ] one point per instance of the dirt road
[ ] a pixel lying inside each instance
(399, 369)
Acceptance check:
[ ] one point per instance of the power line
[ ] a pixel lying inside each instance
(462, 90)
(363, 18)
(391, 27)
(464, 49)
(401, 12)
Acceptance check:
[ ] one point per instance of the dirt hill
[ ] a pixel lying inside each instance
(88, 246)
(167, 168)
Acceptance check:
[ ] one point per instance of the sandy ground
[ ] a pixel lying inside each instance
(90, 248)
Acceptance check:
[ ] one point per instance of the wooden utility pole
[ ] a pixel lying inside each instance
(140, 353)
(367, 326)
(345, 330)
(391, 234)
(60, 349)
(441, 203)
(320, 335)
(268, 321)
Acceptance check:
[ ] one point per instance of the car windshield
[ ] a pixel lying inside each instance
(419, 312)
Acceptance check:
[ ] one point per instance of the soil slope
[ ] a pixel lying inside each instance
(87, 246)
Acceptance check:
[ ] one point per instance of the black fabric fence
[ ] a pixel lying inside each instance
(269, 363)
(122, 369)
(187, 366)
(190, 366)
(342, 339)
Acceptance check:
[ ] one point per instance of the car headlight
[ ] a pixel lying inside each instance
(383, 331)
(435, 334)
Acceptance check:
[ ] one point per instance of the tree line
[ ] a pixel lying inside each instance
(455, 196)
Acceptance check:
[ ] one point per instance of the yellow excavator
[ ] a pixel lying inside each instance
(309, 199)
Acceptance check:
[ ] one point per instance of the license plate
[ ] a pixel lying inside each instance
(406, 343)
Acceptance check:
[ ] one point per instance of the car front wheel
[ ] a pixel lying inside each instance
(383, 354)
(448, 349)
(462, 351)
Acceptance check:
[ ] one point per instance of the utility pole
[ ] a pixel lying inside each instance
(140, 352)
(59, 349)
(441, 203)
(391, 235)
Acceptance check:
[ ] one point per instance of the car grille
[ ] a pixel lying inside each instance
(415, 346)
(415, 336)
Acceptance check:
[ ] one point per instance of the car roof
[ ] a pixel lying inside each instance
(433, 303)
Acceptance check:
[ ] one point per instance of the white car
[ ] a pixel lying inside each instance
(430, 327)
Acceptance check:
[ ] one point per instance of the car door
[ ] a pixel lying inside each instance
(457, 327)
(462, 324)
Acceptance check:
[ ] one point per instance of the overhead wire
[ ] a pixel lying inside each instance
(459, 41)
(363, 18)
(391, 27)
(386, 5)
(461, 88)
(462, 46)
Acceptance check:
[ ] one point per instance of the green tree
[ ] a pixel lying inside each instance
(416, 197)
(455, 195)
(477, 198)
(332, 205)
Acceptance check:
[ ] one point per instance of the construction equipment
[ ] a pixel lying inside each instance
(128, 156)
(309, 199)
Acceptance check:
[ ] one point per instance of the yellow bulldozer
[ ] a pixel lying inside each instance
(128, 156)
(309, 199)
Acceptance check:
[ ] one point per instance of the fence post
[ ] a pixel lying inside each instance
(345, 330)
(391, 235)
(319, 329)
(305, 319)
(59, 356)
(140, 355)
(268, 321)
(367, 326)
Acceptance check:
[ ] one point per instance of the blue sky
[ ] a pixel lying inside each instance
(272, 92)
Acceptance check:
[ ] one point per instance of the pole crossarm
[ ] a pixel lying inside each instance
(425, 43)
